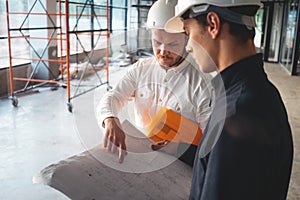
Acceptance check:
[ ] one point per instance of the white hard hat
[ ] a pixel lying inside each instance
(159, 13)
(175, 24)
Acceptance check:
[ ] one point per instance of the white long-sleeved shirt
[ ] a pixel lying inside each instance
(183, 89)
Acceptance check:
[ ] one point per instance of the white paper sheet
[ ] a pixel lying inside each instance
(96, 173)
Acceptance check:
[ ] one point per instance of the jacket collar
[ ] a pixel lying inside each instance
(244, 68)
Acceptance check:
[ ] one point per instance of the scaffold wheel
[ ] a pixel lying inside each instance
(15, 101)
(108, 87)
(70, 107)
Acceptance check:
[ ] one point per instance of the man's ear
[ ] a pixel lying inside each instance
(214, 24)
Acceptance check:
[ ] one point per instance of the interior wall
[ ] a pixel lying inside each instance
(22, 71)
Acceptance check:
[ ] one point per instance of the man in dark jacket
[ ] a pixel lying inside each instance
(247, 153)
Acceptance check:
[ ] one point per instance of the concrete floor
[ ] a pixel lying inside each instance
(41, 131)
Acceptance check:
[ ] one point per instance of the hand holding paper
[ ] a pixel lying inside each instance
(114, 137)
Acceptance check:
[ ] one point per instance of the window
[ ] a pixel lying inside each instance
(118, 19)
(258, 28)
(16, 21)
(118, 3)
(117, 24)
(82, 23)
(289, 34)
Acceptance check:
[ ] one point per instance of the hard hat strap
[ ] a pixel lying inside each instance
(235, 17)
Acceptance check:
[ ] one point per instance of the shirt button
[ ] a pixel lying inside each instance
(178, 109)
(165, 80)
(160, 100)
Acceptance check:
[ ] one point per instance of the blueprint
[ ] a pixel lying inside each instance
(96, 173)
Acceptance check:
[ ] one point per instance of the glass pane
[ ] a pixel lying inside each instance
(258, 28)
(21, 47)
(120, 3)
(275, 33)
(118, 19)
(100, 2)
(289, 37)
(86, 19)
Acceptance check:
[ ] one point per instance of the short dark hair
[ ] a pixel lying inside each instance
(242, 33)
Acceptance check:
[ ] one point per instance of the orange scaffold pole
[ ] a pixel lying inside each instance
(11, 80)
(68, 53)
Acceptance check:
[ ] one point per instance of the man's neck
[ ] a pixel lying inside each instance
(231, 52)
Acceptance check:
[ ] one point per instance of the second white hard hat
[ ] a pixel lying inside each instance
(159, 13)
(175, 24)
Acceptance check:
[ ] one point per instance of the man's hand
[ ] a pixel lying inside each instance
(159, 145)
(166, 147)
(114, 137)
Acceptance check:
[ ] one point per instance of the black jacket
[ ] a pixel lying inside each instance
(252, 158)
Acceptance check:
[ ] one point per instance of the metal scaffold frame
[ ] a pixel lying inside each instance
(63, 59)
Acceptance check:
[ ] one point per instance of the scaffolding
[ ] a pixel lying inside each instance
(54, 63)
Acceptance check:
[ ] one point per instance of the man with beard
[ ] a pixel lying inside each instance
(169, 79)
